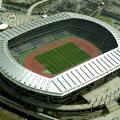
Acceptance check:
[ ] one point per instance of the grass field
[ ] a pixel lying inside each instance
(62, 58)
(5, 115)
(23, 55)
(106, 19)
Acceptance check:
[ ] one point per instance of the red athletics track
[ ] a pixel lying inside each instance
(32, 64)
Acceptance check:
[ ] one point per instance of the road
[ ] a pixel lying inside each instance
(19, 108)
(34, 5)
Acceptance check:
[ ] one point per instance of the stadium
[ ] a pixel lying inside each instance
(45, 62)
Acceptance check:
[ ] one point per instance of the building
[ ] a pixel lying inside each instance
(38, 93)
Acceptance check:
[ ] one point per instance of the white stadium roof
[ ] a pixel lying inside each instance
(64, 83)
(3, 26)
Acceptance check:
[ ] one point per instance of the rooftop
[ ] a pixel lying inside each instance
(59, 85)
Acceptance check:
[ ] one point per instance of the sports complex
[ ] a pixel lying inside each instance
(51, 62)
(64, 52)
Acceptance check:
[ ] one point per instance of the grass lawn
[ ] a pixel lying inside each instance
(106, 19)
(62, 58)
(6, 116)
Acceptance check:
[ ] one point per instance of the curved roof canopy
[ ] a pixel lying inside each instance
(64, 83)
(3, 26)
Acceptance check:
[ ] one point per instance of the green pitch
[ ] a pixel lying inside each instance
(62, 58)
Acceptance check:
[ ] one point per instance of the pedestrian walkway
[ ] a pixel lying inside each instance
(113, 106)
(114, 109)
(35, 5)
(15, 19)
(111, 116)
(105, 93)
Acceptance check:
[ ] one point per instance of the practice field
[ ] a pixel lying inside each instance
(62, 58)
